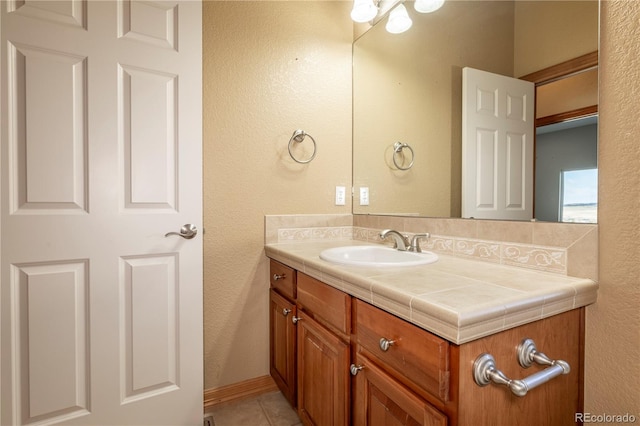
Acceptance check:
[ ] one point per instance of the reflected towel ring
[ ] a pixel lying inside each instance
(397, 149)
(298, 136)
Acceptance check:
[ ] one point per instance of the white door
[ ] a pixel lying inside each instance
(497, 146)
(101, 314)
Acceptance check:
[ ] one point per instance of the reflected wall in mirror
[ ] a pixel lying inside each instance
(408, 89)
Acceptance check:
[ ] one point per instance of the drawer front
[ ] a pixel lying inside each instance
(329, 306)
(283, 279)
(411, 352)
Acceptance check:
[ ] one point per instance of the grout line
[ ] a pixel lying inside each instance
(264, 412)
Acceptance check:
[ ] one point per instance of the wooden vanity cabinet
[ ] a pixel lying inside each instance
(310, 325)
(416, 377)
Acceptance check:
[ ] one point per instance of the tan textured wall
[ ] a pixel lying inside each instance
(613, 323)
(550, 32)
(268, 69)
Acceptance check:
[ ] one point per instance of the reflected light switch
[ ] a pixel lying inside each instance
(364, 195)
(340, 195)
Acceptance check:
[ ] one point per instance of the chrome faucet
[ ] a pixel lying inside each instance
(401, 240)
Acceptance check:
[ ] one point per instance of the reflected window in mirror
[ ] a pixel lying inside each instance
(579, 196)
(560, 147)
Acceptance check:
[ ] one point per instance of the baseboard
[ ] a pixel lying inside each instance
(238, 391)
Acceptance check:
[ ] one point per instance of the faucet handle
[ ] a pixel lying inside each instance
(415, 242)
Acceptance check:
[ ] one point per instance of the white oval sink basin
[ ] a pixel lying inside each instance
(376, 256)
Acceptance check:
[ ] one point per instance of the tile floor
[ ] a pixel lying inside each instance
(270, 409)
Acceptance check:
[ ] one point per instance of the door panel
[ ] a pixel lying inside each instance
(150, 354)
(48, 174)
(51, 323)
(148, 116)
(101, 319)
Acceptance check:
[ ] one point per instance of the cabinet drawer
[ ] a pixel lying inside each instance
(415, 355)
(283, 279)
(329, 306)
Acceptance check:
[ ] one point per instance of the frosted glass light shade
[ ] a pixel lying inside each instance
(399, 20)
(363, 11)
(428, 6)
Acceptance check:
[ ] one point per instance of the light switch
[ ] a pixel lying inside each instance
(364, 195)
(340, 195)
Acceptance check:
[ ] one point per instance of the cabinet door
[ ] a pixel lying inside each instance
(323, 375)
(283, 345)
(379, 400)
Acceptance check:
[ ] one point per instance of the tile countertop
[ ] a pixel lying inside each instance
(458, 299)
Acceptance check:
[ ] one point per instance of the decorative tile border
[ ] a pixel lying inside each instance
(444, 245)
(306, 227)
(315, 234)
(550, 259)
(545, 258)
(542, 258)
(488, 251)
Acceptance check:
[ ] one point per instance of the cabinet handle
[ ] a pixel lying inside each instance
(286, 311)
(385, 344)
(295, 319)
(277, 277)
(485, 371)
(354, 369)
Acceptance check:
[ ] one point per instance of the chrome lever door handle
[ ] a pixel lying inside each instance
(187, 231)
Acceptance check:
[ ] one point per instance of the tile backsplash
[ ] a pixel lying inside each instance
(567, 249)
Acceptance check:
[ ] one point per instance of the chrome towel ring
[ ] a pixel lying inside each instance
(398, 147)
(298, 136)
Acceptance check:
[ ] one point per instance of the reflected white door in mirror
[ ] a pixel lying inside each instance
(498, 125)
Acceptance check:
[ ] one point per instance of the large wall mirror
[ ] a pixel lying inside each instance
(407, 104)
